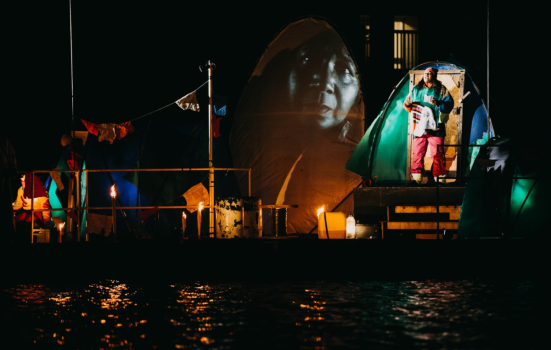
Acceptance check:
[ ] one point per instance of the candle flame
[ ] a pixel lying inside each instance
(113, 193)
(321, 210)
(200, 206)
(184, 215)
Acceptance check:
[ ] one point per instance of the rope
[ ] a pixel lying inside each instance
(145, 115)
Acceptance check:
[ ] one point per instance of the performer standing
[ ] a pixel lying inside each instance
(430, 93)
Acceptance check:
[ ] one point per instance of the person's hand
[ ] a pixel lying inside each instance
(433, 101)
(408, 100)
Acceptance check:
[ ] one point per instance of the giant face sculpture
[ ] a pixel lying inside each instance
(297, 123)
(322, 84)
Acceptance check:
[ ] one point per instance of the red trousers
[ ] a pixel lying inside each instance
(419, 148)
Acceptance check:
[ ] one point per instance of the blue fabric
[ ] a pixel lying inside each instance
(446, 105)
(220, 105)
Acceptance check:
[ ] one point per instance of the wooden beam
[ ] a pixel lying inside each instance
(451, 71)
(444, 225)
(430, 236)
(427, 209)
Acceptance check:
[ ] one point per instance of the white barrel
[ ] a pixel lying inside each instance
(229, 217)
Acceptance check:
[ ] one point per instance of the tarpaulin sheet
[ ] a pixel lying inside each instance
(298, 121)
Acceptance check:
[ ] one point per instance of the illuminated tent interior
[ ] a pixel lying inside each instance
(381, 154)
(494, 202)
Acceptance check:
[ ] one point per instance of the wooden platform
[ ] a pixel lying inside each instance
(410, 212)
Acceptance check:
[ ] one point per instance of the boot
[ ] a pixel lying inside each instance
(441, 179)
(416, 179)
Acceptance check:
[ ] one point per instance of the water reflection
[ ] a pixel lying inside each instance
(283, 315)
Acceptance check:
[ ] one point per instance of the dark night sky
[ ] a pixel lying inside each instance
(132, 58)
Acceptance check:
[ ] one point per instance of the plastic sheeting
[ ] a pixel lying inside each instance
(298, 121)
(508, 198)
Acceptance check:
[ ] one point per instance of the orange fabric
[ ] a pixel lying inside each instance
(124, 129)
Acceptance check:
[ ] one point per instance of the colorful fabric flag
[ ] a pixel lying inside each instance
(72, 215)
(189, 101)
(91, 127)
(54, 174)
(147, 213)
(196, 195)
(220, 103)
(109, 131)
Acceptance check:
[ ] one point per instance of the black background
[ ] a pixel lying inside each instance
(131, 58)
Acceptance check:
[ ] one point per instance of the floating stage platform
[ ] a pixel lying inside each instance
(261, 259)
(410, 212)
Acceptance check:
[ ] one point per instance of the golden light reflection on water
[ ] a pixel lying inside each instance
(317, 315)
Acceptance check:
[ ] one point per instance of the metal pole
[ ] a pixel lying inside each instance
(77, 180)
(87, 195)
(488, 66)
(72, 91)
(438, 199)
(32, 205)
(71, 38)
(211, 165)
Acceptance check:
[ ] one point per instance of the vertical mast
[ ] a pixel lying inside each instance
(211, 168)
(488, 65)
(72, 145)
(71, 39)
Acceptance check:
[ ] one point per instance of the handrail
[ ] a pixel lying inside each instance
(79, 208)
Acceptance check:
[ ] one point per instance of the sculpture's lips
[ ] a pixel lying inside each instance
(319, 109)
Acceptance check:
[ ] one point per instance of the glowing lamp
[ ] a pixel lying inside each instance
(331, 225)
(61, 227)
(199, 220)
(113, 210)
(350, 227)
(183, 223)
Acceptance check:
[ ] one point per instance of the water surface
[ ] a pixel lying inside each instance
(465, 314)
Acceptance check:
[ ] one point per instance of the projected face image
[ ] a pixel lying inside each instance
(323, 84)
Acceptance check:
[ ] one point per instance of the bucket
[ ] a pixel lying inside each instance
(229, 215)
(252, 217)
(279, 221)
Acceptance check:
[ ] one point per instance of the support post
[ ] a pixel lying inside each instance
(211, 165)
(77, 180)
(32, 204)
(488, 66)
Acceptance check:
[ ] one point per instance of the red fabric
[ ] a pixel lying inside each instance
(39, 189)
(420, 145)
(216, 127)
(38, 217)
(434, 71)
(91, 127)
(72, 215)
(77, 162)
(121, 129)
(147, 213)
(439, 164)
(124, 129)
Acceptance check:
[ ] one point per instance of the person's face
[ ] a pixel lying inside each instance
(427, 77)
(23, 181)
(323, 86)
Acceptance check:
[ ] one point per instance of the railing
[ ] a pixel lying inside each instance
(79, 208)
